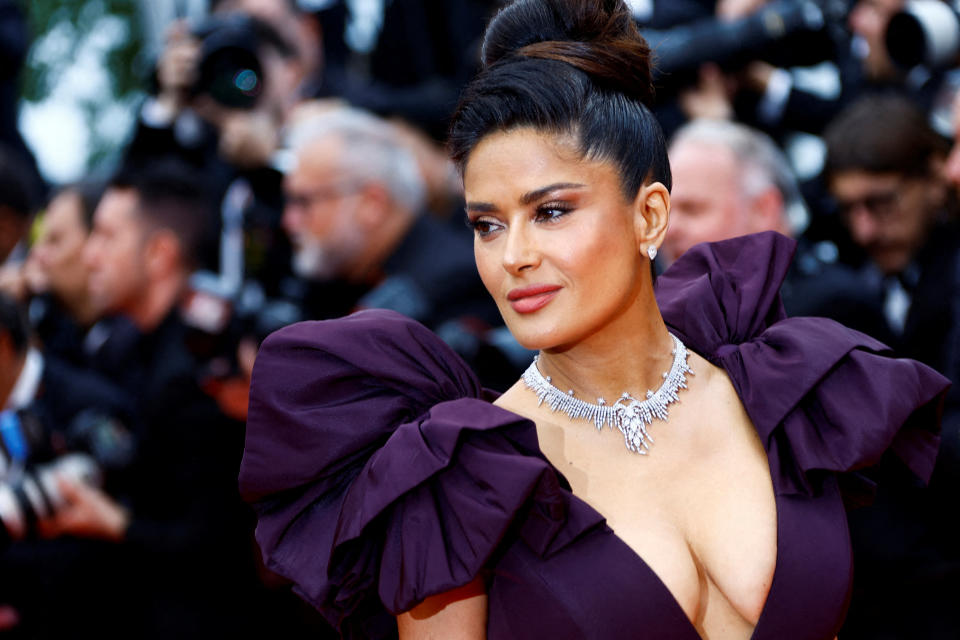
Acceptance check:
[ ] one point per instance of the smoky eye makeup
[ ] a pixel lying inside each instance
(553, 210)
(480, 224)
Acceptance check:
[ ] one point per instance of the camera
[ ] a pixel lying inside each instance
(925, 33)
(32, 457)
(784, 33)
(230, 69)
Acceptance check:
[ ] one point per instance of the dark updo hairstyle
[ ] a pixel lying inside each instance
(576, 67)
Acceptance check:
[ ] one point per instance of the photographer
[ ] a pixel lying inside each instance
(706, 51)
(781, 65)
(224, 87)
(52, 280)
(61, 434)
(863, 65)
(175, 517)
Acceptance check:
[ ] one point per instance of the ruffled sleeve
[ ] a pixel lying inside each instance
(379, 473)
(823, 398)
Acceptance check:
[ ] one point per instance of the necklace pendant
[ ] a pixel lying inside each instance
(629, 414)
(633, 423)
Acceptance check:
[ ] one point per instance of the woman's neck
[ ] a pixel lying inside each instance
(629, 355)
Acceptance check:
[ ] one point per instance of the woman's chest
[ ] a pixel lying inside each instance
(703, 519)
(588, 584)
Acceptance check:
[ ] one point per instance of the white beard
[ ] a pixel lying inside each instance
(312, 261)
(330, 258)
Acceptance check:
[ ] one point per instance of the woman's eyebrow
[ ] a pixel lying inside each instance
(533, 196)
(527, 198)
(481, 207)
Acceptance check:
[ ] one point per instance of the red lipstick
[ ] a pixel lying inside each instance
(532, 298)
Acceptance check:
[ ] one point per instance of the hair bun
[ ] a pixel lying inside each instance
(598, 37)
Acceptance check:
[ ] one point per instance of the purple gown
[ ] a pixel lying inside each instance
(381, 474)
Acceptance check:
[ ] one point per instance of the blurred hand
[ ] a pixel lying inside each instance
(712, 97)
(88, 513)
(248, 138)
(177, 67)
(35, 276)
(736, 9)
(24, 280)
(13, 283)
(756, 76)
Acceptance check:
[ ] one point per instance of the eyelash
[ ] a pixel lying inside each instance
(545, 213)
(551, 211)
(480, 226)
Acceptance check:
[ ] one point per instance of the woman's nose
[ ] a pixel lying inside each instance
(520, 252)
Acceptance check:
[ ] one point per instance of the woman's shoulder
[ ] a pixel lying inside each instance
(823, 398)
(323, 391)
(370, 446)
(726, 292)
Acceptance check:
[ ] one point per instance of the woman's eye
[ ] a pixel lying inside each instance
(550, 212)
(482, 226)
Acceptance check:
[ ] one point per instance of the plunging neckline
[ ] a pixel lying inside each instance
(778, 508)
(793, 510)
(774, 581)
(824, 545)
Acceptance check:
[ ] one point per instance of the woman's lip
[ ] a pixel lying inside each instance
(532, 290)
(533, 299)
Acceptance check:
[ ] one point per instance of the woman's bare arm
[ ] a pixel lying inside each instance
(458, 614)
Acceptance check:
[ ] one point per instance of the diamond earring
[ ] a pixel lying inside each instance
(652, 252)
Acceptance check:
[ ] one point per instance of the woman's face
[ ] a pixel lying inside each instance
(557, 245)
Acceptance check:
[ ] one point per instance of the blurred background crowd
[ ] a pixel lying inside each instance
(286, 163)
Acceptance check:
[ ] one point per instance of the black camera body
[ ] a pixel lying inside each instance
(229, 69)
(33, 456)
(784, 33)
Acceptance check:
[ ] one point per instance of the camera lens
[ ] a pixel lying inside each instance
(926, 32)
(906, 41)
(232, 77)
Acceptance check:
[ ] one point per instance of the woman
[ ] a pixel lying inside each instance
(387, 485)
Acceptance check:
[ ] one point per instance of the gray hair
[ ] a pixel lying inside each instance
(372, 151)
(762, 164)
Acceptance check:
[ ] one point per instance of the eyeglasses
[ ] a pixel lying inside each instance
(305, 200)
(880, 205)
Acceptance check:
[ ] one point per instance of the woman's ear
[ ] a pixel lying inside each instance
(651, 215)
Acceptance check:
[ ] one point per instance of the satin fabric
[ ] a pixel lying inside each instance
(381, 474)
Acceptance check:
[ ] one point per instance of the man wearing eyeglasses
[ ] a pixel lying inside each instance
(884, 170)
(730, 179)
(354, 203)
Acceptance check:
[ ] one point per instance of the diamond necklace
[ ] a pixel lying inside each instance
(629, 414)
